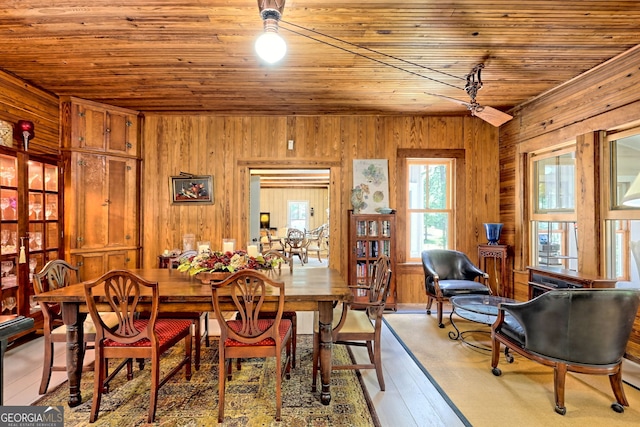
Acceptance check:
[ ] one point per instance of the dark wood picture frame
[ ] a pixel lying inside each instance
(191, 189)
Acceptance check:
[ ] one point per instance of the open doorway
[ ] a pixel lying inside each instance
(290, 198)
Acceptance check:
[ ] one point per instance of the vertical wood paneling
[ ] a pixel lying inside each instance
(225, 147)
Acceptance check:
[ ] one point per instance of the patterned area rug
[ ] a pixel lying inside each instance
(250, 396)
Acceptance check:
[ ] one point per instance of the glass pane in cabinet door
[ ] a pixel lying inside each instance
(8, 204)
(51, 207)
(50, 178)
(52, 235)
(35, 175)
(35, 206)
(8, 171)
(9, 234)
(36, 239)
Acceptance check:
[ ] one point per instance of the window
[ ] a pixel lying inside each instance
(298, 214)
(553, 222)
(430, 210)
(622, 216)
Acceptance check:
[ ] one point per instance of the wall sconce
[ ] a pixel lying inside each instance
(26, 130)
(270, 46)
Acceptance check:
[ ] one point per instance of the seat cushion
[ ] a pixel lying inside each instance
(451, 288)
(166, 331)
(236, 325)
(357, 322)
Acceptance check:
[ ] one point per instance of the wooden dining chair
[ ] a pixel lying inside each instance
(251, 335)
(296, 244)
(359, 327)
(58, 274)
(133, 337)
(315, 239)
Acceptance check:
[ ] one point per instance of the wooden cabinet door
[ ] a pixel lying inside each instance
(106, 211)
(94, 264)
(106, 130)
(121, 133)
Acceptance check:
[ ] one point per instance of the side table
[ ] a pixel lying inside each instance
(496, 252)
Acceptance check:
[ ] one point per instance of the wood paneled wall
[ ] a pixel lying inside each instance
(227, 147)
(21, 101)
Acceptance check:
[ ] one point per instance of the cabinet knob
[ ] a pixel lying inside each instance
(107, 130)
(127, 237)
(82, 163)
(129, 145)
(128, 123)
(80, 138)
(80, 264)
(80, 239)
(106, 202)
(80, 113)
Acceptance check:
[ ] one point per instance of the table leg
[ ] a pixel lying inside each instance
(325, 309)
(74, 320)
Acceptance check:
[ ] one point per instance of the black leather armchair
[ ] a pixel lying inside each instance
(578, 330)
(449, 273)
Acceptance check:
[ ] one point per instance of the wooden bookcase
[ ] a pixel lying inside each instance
(371, 235)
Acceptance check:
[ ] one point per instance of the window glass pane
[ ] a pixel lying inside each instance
(417, 186)
(555, 183)
(298, 214)
(429, 231)
(555, 244)
(623, 251)
(437, 187)
(625, 170)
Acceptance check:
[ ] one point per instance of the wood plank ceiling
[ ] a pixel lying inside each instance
(197, 56)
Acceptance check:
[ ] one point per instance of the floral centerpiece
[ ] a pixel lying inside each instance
(227, 262)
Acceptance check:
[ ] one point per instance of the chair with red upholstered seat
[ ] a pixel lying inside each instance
(251, 335)
(121, 292)
(57, 274)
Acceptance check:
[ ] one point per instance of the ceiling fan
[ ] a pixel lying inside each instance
(473, 85)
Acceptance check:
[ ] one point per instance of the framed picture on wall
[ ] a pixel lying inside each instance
(370, 185)
(191, 189)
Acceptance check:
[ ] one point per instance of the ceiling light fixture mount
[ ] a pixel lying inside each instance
(270, 46)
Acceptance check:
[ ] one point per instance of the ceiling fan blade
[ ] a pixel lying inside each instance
(489, 114)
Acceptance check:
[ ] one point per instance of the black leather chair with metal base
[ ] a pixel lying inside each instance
(448, 273)
(577, 330)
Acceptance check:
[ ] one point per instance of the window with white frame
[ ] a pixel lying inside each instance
(554, 239)
(622, 213)
(430, 210)
(298, 214)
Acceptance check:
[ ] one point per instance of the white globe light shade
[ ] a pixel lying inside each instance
(271, 47)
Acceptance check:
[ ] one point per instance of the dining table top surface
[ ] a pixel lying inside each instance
(303, 284)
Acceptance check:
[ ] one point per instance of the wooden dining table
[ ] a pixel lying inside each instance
(306, 289)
